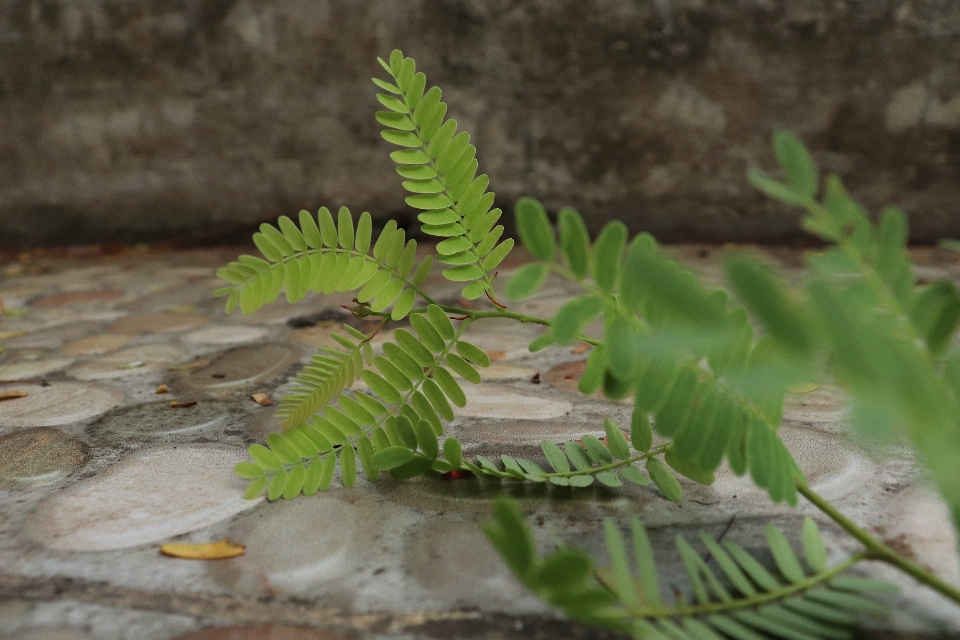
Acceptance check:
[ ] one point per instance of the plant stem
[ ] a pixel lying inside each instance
(876, 550)
(513, 315)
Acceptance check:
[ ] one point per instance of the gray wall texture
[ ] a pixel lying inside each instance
(134, 119)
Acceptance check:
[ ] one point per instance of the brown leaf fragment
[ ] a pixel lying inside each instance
(12, 395)
(583, 347)
(536, 378)
(496, 355)
(204, 551)
(176, 404)
(162, 389)
(262, 399)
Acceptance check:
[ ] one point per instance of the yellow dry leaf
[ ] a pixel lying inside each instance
(262, 399)
(802, 387)
(583, 347)
(162, 389)
(12, 395)
(496, 355)
(203, 551)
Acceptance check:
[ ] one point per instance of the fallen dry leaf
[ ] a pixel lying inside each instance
(583, 347)
(163, 389)
(262, 399)
(497, 355)
(179, 405)
(4, 335)
(12, 395)
(204, 551)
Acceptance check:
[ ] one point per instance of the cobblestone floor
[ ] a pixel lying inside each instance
(97, 469)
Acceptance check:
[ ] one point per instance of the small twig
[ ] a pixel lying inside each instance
(373, 335)
(493, 300)
(41, 382)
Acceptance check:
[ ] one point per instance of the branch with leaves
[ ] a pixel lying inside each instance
(707, 371)
(743, 601)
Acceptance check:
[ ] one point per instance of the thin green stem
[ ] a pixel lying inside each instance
(749, 602)
(876, 550)
(613, 465)
(575, 472)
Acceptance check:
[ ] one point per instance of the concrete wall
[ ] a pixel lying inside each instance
(134, 119)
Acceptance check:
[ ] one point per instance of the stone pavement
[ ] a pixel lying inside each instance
(97, 469)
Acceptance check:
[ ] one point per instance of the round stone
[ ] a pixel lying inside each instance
(262, 632)
(566, 376)
(158, 323)
(519, 432)
(152, 495)
(455, 560)
(499, 371)
(39, 456)
(823, 408)
(133, 361)
(32, 369)
(319, 336)
(240, 367)
(919, 526)
(143, 423)
(54, 336)
(294, 546)
(494, 401)
(97, 345)
(501, 345)
(262, 423)
(75, 298)
(225, 335)
(57, 404)
(50, 634)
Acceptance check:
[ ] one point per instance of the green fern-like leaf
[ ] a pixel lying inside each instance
(741, 599)
(326, 256)
(440, 170)
(395, 429)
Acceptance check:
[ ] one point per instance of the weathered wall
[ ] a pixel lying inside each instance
(127, 119)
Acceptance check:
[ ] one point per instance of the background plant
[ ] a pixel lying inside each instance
(708, 372)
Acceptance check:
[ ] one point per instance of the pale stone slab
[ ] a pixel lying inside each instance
(494, 401)
(524, 432)
(37, 457)
(75, 298)
(501, 345)
(32, 369)
(132, 361)
(152, 495)
(498, 371)
(159, 323)
(294, 546)
(57, 404)
(263, 632)
(225, 335)
(241, 366)
(454, 560)
(97, 345)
